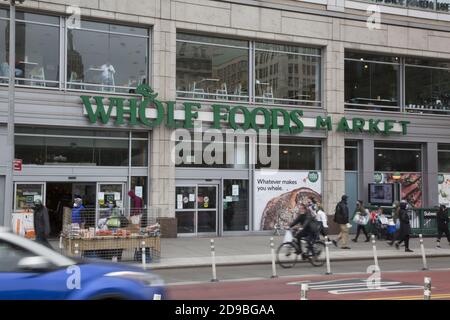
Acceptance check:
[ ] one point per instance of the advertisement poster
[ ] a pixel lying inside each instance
(278, 194)
(444, 189)
(411, 186)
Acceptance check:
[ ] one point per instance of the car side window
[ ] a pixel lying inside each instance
(10, 255)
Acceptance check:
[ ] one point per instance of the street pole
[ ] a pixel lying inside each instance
(11, 100)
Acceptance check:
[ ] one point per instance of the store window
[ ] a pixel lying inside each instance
(296, 154)
(107, 57)
(212, 68)
(139, 187)
(235, 205)
(37, 50)
(26, 194)
(214, 154)
(351, 156)
(444, 158)
(66, 147)
(427, 86)
(399, 157)
(287, 74)
(372, 82)
(4, 42)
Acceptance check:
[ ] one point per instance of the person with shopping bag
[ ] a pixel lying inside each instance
(361, 218)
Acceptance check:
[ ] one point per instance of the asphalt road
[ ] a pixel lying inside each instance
(400, 279)
(390, 286)
(258, 272)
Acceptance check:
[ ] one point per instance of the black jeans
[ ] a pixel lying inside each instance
(405, 238)
(309, 237)
(358, 231)
(44, 242)
(442, 231)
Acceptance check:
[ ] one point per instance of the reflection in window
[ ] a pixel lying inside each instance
(37, 50)
(96, 57)
(297, 154)
(287, 75)
(206, 69)
(398, 157)
(79, 150)
(444, 158)
(371, 84)
(235, 205)
(427, 89)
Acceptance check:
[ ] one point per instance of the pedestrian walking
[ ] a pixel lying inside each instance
(362, 215)
(322, 218)
(405, 227)
(442, 224)
(395, 217)
(341, 217)
(41, 223)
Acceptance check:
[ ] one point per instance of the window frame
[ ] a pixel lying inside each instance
(252, 49)
(66, 83)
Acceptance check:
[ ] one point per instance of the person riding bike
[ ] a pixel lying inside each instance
(310, 228)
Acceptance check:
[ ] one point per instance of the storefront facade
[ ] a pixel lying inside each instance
(355, 103)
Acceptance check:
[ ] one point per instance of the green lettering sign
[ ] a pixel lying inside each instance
(135, 109)
(343, 125)
(321, 122)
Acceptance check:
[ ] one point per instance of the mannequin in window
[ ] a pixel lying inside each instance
(108, 72)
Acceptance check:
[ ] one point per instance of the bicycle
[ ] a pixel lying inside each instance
(288, 252)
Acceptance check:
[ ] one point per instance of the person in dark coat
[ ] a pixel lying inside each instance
(442, 224)
(341, 217)
(405, 227)
(41, 223)
(310, 227)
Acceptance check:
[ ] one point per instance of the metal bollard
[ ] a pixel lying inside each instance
(375, 256)
(272, 251)
(422, 249)
(427, 289)
(213, 260)
(327, 255)
(156, 296)
(304, 291)
(144, 258)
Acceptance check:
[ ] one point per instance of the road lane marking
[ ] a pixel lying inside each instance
(433, 296)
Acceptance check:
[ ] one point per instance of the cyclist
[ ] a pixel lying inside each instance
(310, 228)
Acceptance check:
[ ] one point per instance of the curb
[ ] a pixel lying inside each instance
(269, 261)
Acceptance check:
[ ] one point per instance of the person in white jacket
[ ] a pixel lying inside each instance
(321, 216)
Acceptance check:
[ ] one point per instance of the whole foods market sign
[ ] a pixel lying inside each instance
(151, 112)
(435, 5)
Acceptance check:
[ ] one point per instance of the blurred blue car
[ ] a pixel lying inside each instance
(29, 270)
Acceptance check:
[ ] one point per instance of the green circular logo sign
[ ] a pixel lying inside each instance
(313, 176)
(441, 178)
(378, 177)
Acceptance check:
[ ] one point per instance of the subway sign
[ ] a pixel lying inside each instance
(150, 112)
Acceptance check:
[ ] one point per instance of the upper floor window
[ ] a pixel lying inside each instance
(287, 74)
(106, 57)
(37, 49)
(372, 81)
(218, 69)
(212, 68)
(427, 86)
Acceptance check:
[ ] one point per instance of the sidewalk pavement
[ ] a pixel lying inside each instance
(255, 249)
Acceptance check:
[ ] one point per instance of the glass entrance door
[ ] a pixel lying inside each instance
(196, 209)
